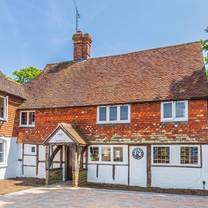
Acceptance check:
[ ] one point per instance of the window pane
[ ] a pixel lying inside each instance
(1, 147)
(189, 155)
(102, 113)
(180, 110)
(24, 118)
(167, 110)
(1, 152)
(1, 157)
(113, 113)
(94, 153)
(161, 154)
(124, 113)
(1, 107)
(106, 154)
(118, 154)
(31, 118)
(32, 149)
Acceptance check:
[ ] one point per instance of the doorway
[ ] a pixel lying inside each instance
(68, 163)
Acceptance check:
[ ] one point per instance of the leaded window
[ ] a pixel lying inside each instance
(189, 155)
(161, 155)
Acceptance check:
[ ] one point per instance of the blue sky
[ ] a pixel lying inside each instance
(37, 32)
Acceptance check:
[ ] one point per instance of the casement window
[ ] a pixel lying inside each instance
(189, 155)
(2, 151)
(94, 153)
(27, 118)
(161, 155)
(32, 149)
(113, 114)
(3, 108)
(174, 111)
(106, 154)
(118, 154)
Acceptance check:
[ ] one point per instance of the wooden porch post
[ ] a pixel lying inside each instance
(47, 164)
(77, 163)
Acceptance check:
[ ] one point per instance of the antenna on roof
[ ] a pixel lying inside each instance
(77, 15)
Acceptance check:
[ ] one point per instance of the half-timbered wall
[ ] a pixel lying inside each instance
(135, 172)
(31, 161)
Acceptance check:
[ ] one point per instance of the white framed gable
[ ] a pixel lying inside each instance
(60, 137)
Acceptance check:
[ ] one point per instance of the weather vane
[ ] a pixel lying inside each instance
(77, 15)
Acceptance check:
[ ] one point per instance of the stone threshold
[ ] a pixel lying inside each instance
(198, 192)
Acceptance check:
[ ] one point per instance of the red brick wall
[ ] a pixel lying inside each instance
(145, 125)
(6, 128)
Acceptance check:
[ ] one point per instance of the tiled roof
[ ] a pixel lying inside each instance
(11, 87)
(174, 72)
(70, 131)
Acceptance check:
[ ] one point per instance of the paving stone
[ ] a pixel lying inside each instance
(61, 197)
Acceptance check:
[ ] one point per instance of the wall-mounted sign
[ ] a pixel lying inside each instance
(60, 137)
(137, 153)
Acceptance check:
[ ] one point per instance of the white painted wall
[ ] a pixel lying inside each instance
(164, 177)
(29, 169)
(9, 168)
(181, 177)
(105, 169)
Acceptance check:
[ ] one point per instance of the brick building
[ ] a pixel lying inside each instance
(136, 119)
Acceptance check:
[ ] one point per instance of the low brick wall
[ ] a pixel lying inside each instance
(82, 178)
(54, 175)
(199, 192)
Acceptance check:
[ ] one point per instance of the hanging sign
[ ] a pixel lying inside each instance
(137, 153)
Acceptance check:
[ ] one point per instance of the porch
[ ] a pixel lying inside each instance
(66, 143)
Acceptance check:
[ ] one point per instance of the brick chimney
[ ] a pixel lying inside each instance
(82, 45)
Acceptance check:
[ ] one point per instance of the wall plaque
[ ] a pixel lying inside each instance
(137, 153)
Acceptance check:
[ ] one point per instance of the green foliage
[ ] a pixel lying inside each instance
(205, 48)
(24, 75)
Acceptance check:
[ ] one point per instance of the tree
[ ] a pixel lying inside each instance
(205, 48)
(26, 74)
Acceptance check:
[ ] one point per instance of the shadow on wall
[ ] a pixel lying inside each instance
(11, 158)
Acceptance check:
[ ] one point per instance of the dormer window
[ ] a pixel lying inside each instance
(174, 111)
(27, 118)
(113, 114)
(3, 108)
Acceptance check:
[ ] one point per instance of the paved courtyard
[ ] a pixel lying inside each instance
(18, 184)
(61, 197)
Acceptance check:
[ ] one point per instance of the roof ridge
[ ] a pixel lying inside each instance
(122, 54)
(146, 50)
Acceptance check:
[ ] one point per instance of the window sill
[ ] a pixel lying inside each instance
(176, 166)
(107, 163)
(3, 119)
(174, 121)
(113, 123)
(3, 166)
(22, 126)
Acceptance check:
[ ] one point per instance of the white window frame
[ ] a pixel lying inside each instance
(111, 152)
(20, 119)
(6, 107)
(161, 164)
(199, 156)
(173, 118)
(118, 121)
(4, 159)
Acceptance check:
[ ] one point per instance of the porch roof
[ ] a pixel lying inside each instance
(64, 133)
